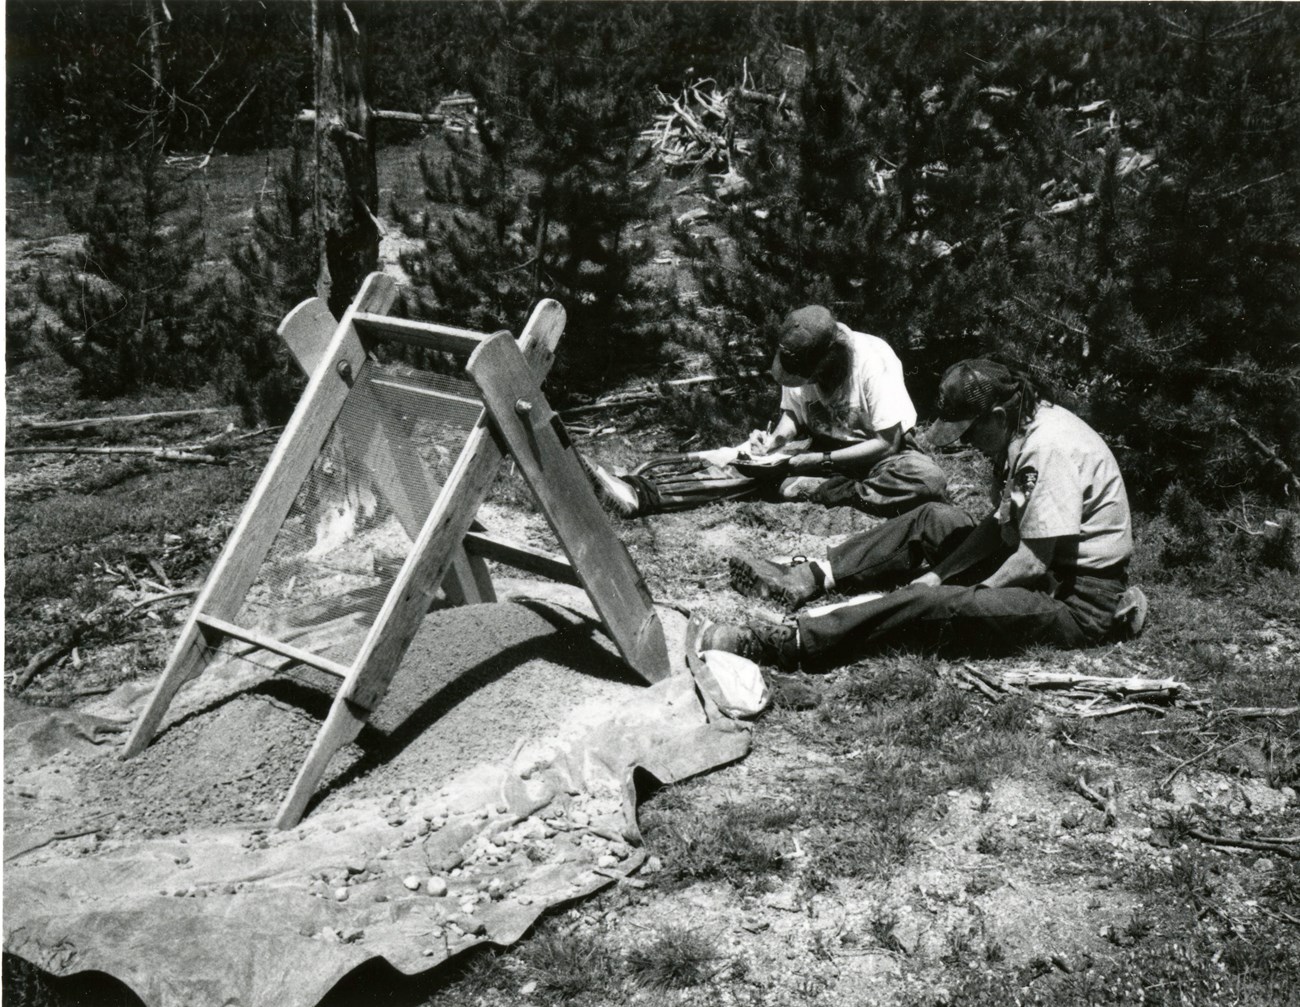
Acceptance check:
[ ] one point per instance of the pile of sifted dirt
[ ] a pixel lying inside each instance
(474, 683)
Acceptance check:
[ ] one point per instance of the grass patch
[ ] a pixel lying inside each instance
(568, 965)
(676, 959)
(740, 843)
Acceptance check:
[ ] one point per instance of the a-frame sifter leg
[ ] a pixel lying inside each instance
(408, 600)
(540, 446)
(246, 548)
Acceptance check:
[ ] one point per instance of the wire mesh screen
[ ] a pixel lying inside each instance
(357, 515)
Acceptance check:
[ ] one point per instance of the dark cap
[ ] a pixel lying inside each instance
(969, 390)
(806, 334)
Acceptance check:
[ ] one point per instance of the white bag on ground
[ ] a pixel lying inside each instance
(734, 683)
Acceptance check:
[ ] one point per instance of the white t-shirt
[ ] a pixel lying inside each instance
(873, 399)
(1064, 483)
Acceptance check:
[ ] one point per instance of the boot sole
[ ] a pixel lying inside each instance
(749, 582)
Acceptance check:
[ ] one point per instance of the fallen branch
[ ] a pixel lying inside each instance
(1106, 803)
(168, 596)
(1283, 469)
(1263, 845)
(29, 423)
(1196, 758)
(161, 454)
(1254, 712)
(978, 683)
(1091, 683)
(433, 118)
(48, 656)
(1110, 711)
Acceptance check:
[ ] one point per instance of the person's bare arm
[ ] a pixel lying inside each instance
(984, 540)
(1026, 566)
(852, 460)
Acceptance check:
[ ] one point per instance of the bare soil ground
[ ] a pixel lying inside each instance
(892, 838)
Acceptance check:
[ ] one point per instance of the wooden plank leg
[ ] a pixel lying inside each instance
(343, 724)
(250, 540)
(408, 599)
(189, 658)
(547, 461)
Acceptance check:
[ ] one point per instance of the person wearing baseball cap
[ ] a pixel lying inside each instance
(1048, 567)
(844, 436)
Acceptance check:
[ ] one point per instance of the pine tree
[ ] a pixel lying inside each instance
(126, 303)
(272, 269)
(543, 202)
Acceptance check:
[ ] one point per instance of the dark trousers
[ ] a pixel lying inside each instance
(1071, 610)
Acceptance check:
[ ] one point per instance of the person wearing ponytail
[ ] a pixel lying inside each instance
(1048, 566)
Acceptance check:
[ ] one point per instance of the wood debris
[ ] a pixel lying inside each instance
(694, 128)
(1072, 694)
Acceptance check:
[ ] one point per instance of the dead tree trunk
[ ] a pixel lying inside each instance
(347, 186)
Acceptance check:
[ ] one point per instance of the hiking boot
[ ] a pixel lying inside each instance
(1131, 612)
(758, 640)
(617, 496)
(792, 586)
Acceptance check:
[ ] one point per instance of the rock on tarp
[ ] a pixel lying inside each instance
(237, 915)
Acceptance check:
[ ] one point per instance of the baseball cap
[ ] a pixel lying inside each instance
(806, 334)
(969, 389)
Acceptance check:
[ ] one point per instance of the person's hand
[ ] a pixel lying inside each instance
(929, 579)
(809, 462)
(760, 443)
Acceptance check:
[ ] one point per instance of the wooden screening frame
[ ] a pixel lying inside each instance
(449, 547)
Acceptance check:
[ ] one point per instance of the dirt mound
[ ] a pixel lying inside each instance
(475, 682)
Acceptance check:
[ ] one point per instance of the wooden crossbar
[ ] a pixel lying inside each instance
(265, 642)
(520, 557)
(426, 335)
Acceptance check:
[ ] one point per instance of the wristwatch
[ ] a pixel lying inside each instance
(828, 466)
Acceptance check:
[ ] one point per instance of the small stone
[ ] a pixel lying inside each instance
(482, 813)
(340, 894)
(528, 988)
(380, 897)
(494, 888)
(499, 839)
(502, 808)
(356, 865)
(524, 900)
(580, 819)
(436, 886)
(653, 865)
(1263, 865)
(607, 860)
(412, 882)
